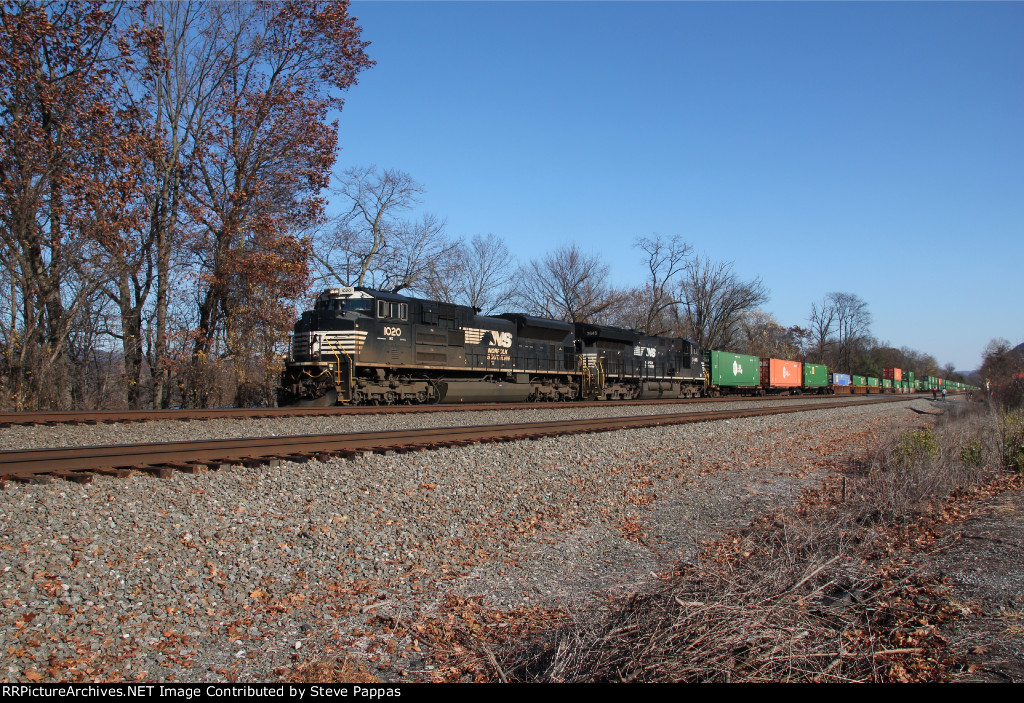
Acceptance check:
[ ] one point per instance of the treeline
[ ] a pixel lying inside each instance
(164, 175)
(684, 293)
(160, 164)
(1001, 375)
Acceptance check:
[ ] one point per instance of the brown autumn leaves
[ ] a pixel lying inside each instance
(158, 165)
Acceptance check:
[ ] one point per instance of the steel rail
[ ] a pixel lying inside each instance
(163, 457)
(97, 417)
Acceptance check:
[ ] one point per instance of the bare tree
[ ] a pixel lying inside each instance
(822, 319)
(377, 198)
(853, 323)
(666, 264)
(714, 301)
(478, 273)
(567, 284)
(412, 254)
(372, 244)
(631, 309)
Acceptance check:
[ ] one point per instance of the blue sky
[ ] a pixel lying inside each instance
(872, 148)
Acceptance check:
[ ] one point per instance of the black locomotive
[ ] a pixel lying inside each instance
(362, 346)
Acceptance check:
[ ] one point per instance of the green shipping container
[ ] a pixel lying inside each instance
(860, 381)
(886, 383)
(728, 369)
(872, 381)
(815, 375)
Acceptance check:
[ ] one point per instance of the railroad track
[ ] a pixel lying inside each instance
(98, 417)
(82, 464)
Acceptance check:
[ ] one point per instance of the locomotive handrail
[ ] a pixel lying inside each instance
(337, 379)
(592, 380)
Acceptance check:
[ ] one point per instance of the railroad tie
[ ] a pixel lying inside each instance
(75, 476)
(114, 473)
(31, 478)
(158, 471)
(188, 467)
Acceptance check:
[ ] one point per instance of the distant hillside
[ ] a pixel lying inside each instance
(967, 374)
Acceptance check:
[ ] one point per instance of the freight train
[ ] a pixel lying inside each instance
(363, 346)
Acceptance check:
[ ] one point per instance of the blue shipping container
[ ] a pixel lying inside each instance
(841, 379)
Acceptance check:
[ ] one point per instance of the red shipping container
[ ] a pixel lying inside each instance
(779, 373)
(893, 374)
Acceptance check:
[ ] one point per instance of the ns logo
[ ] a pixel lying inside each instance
(501, 339)
(492, 338)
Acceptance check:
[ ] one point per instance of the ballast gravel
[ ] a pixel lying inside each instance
(43, 436)
(234, 574)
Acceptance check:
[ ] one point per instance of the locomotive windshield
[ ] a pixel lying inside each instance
(345, 300)
(355, 305)
(347, 304)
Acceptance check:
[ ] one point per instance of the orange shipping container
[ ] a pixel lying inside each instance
(779, 373)
(893, 374)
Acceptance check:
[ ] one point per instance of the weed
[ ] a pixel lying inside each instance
(972, 454)
(1011, 431)
(913, 446)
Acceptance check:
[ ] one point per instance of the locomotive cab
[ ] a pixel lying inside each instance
(324, 346)
(335, 327)
(343, 303)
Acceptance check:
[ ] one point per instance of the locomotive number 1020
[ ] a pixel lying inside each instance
(393, 331)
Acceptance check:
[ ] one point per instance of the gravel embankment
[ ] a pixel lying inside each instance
(209, 576)
(29, 437)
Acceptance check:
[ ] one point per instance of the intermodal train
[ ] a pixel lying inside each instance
(364, 346)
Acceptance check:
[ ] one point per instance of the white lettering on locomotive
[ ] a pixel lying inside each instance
(491, 338)
(393, 331)
(650, 352)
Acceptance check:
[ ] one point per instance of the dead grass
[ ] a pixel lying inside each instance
(808, 594)
(913, 472)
